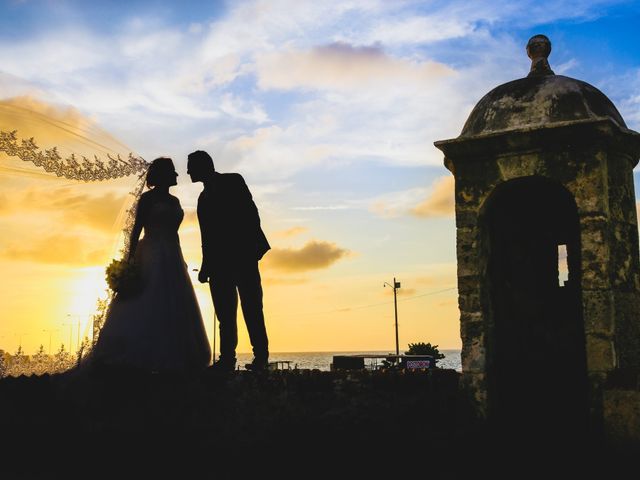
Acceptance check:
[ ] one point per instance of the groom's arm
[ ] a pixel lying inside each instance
(203, 273)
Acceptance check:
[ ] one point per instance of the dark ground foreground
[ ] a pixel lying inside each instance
(279, 424)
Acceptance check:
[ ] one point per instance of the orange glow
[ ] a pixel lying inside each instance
(319, 295)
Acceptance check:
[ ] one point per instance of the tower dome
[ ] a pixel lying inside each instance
(540, 99)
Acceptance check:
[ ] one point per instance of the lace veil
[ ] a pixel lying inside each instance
(105, 164)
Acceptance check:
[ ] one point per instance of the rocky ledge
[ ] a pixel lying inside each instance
(290, 423)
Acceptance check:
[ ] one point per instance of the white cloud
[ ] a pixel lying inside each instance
(436, 201)
(368, 86)
(395, 204)
(322, 207)
(627, 88)
(529, 13)
(566, 67)
(341, 66)
(276, 153)
(237, 107)
(441, 200)
(55, 56)
(622, 88)
(419, 30)
(314, 255)
(289, 232)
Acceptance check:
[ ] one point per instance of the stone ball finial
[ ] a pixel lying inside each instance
(539, 46)
(538, 50)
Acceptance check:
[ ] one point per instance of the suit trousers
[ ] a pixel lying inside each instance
(226, 282)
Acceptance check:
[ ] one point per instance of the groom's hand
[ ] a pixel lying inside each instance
(203, 276)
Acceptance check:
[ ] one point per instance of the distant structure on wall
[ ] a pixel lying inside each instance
(547, 247)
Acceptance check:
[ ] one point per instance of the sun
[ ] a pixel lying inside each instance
(88, 286)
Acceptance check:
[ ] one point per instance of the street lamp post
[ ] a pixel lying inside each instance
(395, 286)
(50, 331)
(20, 335)
(70, 325)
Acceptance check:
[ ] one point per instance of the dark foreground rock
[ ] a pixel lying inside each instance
(279, 424)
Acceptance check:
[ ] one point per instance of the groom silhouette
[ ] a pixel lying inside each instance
(232, 244)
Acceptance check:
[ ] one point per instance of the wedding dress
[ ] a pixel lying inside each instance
(160, 328)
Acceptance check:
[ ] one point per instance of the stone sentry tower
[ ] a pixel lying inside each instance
(547, 247)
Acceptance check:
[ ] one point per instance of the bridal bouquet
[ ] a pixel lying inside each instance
(124, 277)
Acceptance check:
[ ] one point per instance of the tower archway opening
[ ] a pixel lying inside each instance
(536, 371)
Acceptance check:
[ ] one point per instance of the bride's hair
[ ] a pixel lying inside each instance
(158, 170)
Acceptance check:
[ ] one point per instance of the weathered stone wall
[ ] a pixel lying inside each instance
(625, 264)
(473, 182)
(622, 418)
(601, 182)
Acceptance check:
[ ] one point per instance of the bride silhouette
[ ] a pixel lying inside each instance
(159, 328)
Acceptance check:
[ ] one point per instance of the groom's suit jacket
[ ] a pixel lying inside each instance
(229, 223)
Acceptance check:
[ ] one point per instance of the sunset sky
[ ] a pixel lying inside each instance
(329, 109)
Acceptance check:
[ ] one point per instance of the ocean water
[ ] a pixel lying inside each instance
(322, 360)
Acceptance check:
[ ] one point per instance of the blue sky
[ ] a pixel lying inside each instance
(329, 109)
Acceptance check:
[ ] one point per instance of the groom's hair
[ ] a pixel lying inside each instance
(201, 157)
